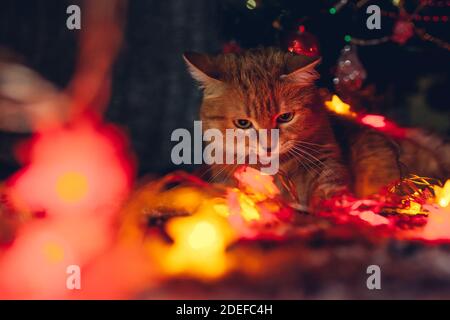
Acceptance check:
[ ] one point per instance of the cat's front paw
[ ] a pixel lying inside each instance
(320, 195)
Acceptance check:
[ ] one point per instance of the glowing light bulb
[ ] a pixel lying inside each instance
(74, 170)
(415, 208)
(248, 209)
(203, 236)
(338, 106)
(442, 194)
(53, 252)
(375, 121)
(200, 243)
(72, 187)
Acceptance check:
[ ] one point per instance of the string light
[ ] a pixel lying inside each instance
(417, 17)
(375, 121)
(378, 122)
(421, 33)
(432, 3)
(371, 42)
(414, 16)
(251, 4)
(338, 106)
(64, 181)
(361, 3)
(338, 6)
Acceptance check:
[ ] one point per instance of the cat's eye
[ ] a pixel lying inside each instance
(243, 123)
(285, 117)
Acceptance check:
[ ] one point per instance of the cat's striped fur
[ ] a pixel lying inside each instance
(322, 156)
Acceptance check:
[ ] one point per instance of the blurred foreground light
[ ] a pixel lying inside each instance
(35, 265)
(200, 243)
(74, 170)
(72, 186)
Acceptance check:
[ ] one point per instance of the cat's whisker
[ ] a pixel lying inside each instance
(311, 143)
(309, 167)
(217, 174)
(318, 148)
(299, 161)
(208, 170)
(318, 161)
(231, 172)
(303, 157)
(325, 171)
(318, 152)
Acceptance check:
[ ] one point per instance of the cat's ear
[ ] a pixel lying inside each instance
(202, 68)
(301, 69)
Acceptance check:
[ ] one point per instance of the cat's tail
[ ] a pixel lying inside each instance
(426, 154)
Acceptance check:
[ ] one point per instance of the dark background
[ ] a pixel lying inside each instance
(153, 94)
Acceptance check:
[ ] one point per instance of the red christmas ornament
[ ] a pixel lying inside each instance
(403, 31)
(303, 43)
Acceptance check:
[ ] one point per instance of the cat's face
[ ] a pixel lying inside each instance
(260, 89)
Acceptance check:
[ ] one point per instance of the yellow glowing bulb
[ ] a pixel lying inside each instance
(338, 106)
(53, 252)
(199, 247)
(248, 209)
(221, 209)
(203, 236)
(442, 194)
(72, 187)
(415, 208)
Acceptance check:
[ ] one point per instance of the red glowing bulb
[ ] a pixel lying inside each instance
(74, 170)
(375, 121)
(72, 187)
(36, 264)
